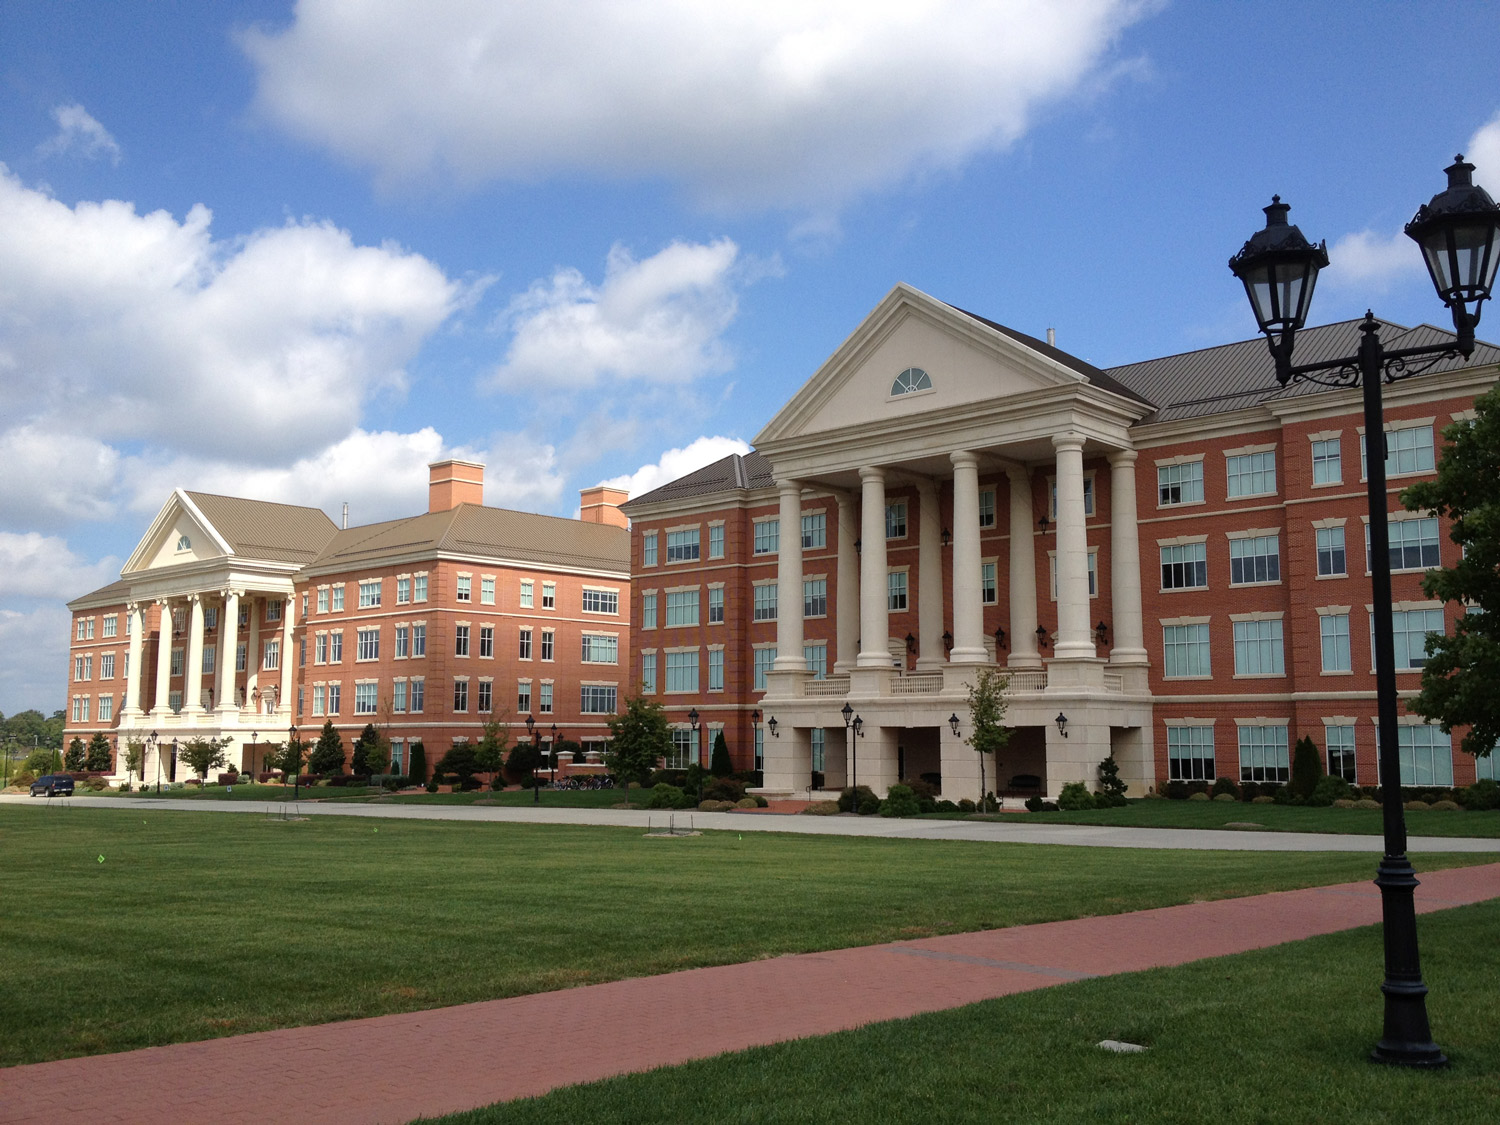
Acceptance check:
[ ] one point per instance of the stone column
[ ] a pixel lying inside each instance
(846, 594)
(1023, 650)
(930, 653)
(229, 642)
(789, 580)
(192, 668)
(288, 620)
(163, 658)
(252, 651)
(968, 603)
(1074, 634)
(874, 626)
(136, 618)
(1128, 627)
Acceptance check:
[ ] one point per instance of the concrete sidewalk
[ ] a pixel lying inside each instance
(474, 1054)
(1015, 830)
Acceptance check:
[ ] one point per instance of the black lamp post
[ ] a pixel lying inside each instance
(1457, 232)
(536, 785)
(254, 739)
(151, 742)
(848, 713)
(693, 723)
(552, 758)
(291, 736)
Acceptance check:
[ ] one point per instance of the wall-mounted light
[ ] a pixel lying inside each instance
(1041, 636)
(1062, 724)
(1101, 632)
(953, 723)
(1044, 523)
(859, 546)
(911, 643)
(947, 641)
(771, 726)
(999, 637)
(947, 537)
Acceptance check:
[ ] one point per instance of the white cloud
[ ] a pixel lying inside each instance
(52, 478)
(33, 658)
(80, 133)
(42, 566)
(675, 463)
(658, 320)
(1370, 259)
(1484, 153)
(756, 102)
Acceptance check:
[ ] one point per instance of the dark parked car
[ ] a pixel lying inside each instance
(53, 785)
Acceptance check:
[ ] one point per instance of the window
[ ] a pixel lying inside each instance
(338, 598)
(460, 640)
(176, 662)
(895, 591)
(1190, 753)
(1414, 544)
(760, 747)
(1258, 648)
(1184, 566)
(601, 601)
(398, 696)
(716, 541)
(184, 543)
(322, 601)
(487, 641)
(818, 749)
(129, 624)
(111, 624)
(1407, 451)
(528, 594)
(1411, 628)
(1426, 755)
(1334, 630)
(682, 607)
(78, 668)
(419, 640)
(716, 605)
(648, 673)
(767, 537)
(1092, 571)
(1179, 484)
(464, 590)
(486, 696)
(369, 593)
(682, 546)
(1088, 495)
(546, 644)
(336, 648)
(206, 665)
(244, 615)
(174, 701)
(716, 669)
(320, 648)
(1186, 651)
(80, 630)
(816, 656)
(368, 644)
(241, 655)
(487, 590)
(648, 548)
(987, 590)
(549, 595)
(683, 751)
(1255, 559)
(320, 697)
(403, 591)
(600, 650)
(1331, 552)
(107, 665)
(895, 519)
(273, 656)
(525, 646)
(1327, 459)
(335, 696)
(648, 610)
(364, 699)
(419, 590)
(986, 507)
(815, 597)
(1340, 741)
(682, 671)
(911, 380)
(418, 694)
(765, 601)
(523, 695)
(814, 531)
(398, 756)
(460, 694)
(1263, 754)
(597, 699)
(1252, 474)
(403, 642)
(764, 658)
(106, 708)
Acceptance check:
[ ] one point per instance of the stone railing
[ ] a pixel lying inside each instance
(831, 685)
(917, 683)
(1022, 682)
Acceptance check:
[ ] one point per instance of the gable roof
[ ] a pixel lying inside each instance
(115, 593)
(733, 473)
(260, 529)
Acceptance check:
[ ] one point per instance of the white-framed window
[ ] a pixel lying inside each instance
(682, 671)
(418, 590)
(241, 656)
(398, 756)
(765, 601)
(1251, 474)
(523, 649)
(418, 694)
(419, 639)
(1254, 560)
(648, 548)
(1092, 571)
(648, 610)
(595, 699)
(682, 545)
(988, 590)
(1088, 495)
(184, 543)
(547, 636)
(176, 666)
(716, 540)
(210, 618)
(206, 663)
(1190, 753)
(1414, 544)
(601, 601)
(174, 701)
(107, 665)
(487, 590)
(986, 507)
(487, 642)
(814, 531)
(111, 624)
(336, 647)
(1333, 630)
(335, 698)
(464, 590)
(273, 655)
(1340, 741)
(648, 673)
(1258, 648)
(320, 699)
(683, 751)
(895, 519)
(486, 702)
(369, 593)
(129, 623)
(599, 649)
(460, 640)
(403, 644)
(895, 591)
(365, 698)
(1263, 753)
(716, 669)
(767, 539)
(1426, 754)
(322, 601)
(716, 605)
(1327, 461)
(1184, 566)
(528, 593)
(549, 595)
(79, 632)
(398, 696)
(815, 597)
(1408, 450)
(367, 644)
(78, 667)
(816, 656)
(460, 693)
(682, 607)
(523, 695)
(819, 749)
(1411, 628)
(764, 658)
(1186, 651)
(106, 708)
(1331, 559)
(403, 590)
(910, 381)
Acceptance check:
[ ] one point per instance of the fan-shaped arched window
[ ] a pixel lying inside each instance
(911, 380)
(184, 543)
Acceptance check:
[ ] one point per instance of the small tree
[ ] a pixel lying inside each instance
(328, 754)
(135, 758)
(490, 754)
(639, 739)
(719, 764)
(1111, 788)
(1307, 768)
(987, 732)
(74, 758)
(97, 758)
(417, 768)
(366, 757)
(524, 760)
(462, 761)
(203, 754)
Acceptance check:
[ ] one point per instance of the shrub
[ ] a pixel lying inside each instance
(966, 806)
(724, 789)
(1366, 803)
(124, 787)
(667, 777)
(1330, 788)
(822, 808)
(1263, 800)
(1111, 789)
(665, 796)
(747, 803)
(1033, 804)
(923, 788)
(417, 767)
(1417, 806)
(1345, 803)
(1446, 806)
(432, 787)
(1307, 768)
(945, 806)
(25, 777)
(1483, 794)
(1177, 791)
(1225, 785)
(900, 801)
(1249, 791)
(97, 784)
(1223, 797)
(718, 763)
(704, 806)
(1199, 797)
(1075, 797)
(760, 802)
(753, 778)
(851, 800)
(1281, 794)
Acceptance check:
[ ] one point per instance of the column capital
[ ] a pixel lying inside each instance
(872, 472)
(964, 458)
(1018, 473)
(1067, 441)
(1123, 456)
(785, 485)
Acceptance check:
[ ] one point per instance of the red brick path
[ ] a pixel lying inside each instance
(472, 1055)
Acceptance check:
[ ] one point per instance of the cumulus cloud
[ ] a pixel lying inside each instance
(80, 134)
(1371, 259)
(675, 463)
(658, 320)
(1484, 153)
(43, 566)
(33, 658)
(771, 102)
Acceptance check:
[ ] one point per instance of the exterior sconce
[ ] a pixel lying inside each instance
(911, 643)
(1062, 724)
(858, 546)
(1044, 523)
(947, 537)
(771, 726)
(947, 641)
(1101, 632)
(953, 723)
(999, 637)
(531, 727)
(1041, 636)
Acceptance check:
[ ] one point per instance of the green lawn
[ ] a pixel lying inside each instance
(1277, 1035)
(240, 792)
(556, 798)
(127, 928)
(1275, 818)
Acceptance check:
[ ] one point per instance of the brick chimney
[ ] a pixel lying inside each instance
(601, 504)
(453, 482)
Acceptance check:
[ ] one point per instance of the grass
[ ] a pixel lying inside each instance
(237, 792)
(556, 798)
(124, 929)
(560, 798)
(1276, 818)
(1231, 1040)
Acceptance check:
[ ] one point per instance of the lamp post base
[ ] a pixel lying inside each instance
(1406, 1038)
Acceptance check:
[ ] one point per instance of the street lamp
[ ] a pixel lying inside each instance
(693, 723)
(552, 758)
(291, 734)
(1457, 232)
(254, 738)
(151, 742)
(536, 796)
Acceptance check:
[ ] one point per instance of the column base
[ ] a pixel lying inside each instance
(1025, 661)
(1071, 674)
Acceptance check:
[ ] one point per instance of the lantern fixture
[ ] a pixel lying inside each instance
(858, 727)
(693, 718)
(947, 641)
(953, 723)
(1062, 724)
(1279, 269)
(1457, 232)
(1101, 632)
(911, 643)
(1044, 523)
(947, 537)
(771, 726)
(848, 713)
(999, 637)
(1041, 636)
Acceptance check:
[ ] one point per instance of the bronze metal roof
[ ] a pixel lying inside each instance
(735, 472)
(259, 529)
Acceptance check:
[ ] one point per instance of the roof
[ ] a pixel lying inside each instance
(116, 591)
(735, 472)
(1235, 376)
(473, 529)
(259, 529)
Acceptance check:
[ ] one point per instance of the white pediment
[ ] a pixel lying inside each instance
(965, 361)
(179, 535)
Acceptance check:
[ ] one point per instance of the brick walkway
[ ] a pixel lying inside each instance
(474, 1054)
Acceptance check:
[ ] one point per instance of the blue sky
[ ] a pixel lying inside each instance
(297, 250)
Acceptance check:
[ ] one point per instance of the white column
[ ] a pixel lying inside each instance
(136, 622)
(192, 680)
(930, 653)
(288, 619)
(874, 624)
(1074, 634)
(229, 642)
(1129, 637)
(1023, 650)
(163, 657)
(252, 652)
(846, 596)
(968, 604)
(789, 580)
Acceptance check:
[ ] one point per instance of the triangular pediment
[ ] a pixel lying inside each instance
(181, 534)
(965, 360)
